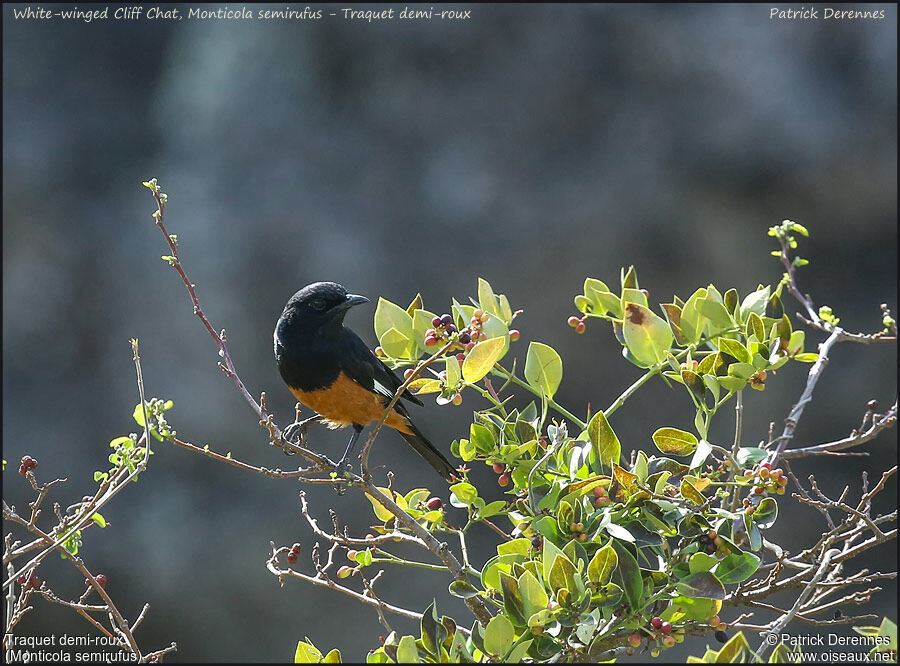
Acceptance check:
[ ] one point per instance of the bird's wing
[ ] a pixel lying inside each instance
(362, 366)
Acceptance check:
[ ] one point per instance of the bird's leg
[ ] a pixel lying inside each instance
(344, 466)
(299, 428)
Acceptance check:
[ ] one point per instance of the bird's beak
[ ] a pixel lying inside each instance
(352, 299)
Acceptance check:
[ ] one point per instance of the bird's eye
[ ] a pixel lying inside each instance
(318, 304)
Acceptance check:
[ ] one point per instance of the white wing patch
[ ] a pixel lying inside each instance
(383, 390)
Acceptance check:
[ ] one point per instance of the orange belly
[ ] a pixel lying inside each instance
(346, 403)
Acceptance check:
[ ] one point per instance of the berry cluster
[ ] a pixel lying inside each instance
(664, 633)
(714, 544)
(765, 479)
(29, 464)
(443, 328)
(601, 498)
(576, 531)
(503, 471)
(293, 554)
(577, 323)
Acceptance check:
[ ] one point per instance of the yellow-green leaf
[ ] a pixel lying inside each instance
(481, 359)
(543, 368)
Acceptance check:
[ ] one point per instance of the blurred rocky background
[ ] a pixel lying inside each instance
(532, 145)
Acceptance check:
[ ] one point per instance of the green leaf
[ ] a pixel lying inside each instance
(543, 368)
(735, 349)
(562, 574)
(647, 335)
(306, 653)
(486, 298)
(733, 651)
(481, 359)
(628, 575)
(454, 374)
(704, 448)
(701, 562)
(766, 513)
(433, 631)
(491, 509)
(674, 441)
(464, 492)
(737, 568)
(333, 657)
(518, 653)
(606, 446)
(534, 597)
(518, 546)
(602, 565)
(391, 316)
(718, 316)
(395, 344)
(381, 512)
(755, 302)
(463, 589)
(702, 584)
(406, 651)
(498, 636)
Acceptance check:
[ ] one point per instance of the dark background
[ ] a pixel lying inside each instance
(532, 145)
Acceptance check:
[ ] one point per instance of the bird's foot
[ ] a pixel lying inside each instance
(342, 471)
(296, 432)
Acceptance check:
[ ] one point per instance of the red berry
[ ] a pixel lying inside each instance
(446, 320)
(22, 470)
(343, 572)
(782, 481)
(460, 357)
(408, 372)
(634, 640)
(514, 335)
(457, 399)
(503, 480)
(711, 548)
(464, 338)
(573, 321)
(484, 317)
(21, 579)
(711, 534)
(499, 468)
(763, 472)
(434, 503)
(431, 341)
(666, 628)
(668, 641)
(33, 581)
(476, 314)
(599, 491)
(580, 328)
(656, 622)
(777, 473)
(469, 345)
(767, 465)
(436, 322)
(602, 501)
(714, 621)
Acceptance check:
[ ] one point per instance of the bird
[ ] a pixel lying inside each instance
(328, 368)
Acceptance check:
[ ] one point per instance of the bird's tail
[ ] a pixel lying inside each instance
(428, 451)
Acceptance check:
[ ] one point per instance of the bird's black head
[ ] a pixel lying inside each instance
(320, 305)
